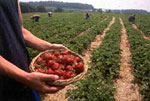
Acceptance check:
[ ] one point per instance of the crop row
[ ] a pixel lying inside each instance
(82, 42)
(60, 23)
(140, 49)
(98, 84)
(74, 23)
(65, 37)
(142, 22)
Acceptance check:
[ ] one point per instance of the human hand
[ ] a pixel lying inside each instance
(38, 81)
(58, 46)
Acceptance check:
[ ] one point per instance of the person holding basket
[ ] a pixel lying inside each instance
(16, 81)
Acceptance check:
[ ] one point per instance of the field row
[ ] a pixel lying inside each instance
(140, 49)
(66, 28)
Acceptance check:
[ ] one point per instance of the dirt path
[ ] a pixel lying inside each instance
(60, 96)
(96, 43)
(145, 37)
(126, 90)
(93, 26)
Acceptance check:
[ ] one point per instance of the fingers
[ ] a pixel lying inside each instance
(60, 46)
(49, 77)
(48, 89)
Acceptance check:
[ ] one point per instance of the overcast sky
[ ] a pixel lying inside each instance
(111, 4)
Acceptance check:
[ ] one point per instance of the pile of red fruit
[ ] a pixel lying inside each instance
(63, 63)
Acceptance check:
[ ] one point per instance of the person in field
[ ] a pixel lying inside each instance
(132, 18)
(49, 14)
(87, 16)
(35, 18)
(16, 81)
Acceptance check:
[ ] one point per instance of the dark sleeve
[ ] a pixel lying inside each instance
(17, 6)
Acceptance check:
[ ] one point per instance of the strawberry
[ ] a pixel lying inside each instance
(50, 71)
(68, 68)
(77, 59)
(50, 63)
(58, 72)
(40, 70)
(55, 66)
(61, 77)
(68, 75)
(70, 61)
(62, 67)
(65, 52)
(39, 60)
(79, 68)
(64, 59)
(57, 54)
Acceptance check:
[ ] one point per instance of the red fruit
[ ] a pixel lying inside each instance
(57, 54)
(44, 63)
(68, 68)
(50, 63)
(62, 67)
(40, 70)
(77, 59)
(55, 66)
(45, 56)
(65, 52)
(54, 57)
(70, 61)
(67, 75)
(61, 77)
(58, 72)
(39, 60)
(79, 68)
(80, 65)
(64, 59)
(71, 74)
(73, 66)
(50, 71)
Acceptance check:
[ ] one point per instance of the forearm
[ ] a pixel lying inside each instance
(39, 44)
(34, 42)
(12, 71)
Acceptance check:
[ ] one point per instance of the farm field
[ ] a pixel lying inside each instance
(118, 54)
(143, 23)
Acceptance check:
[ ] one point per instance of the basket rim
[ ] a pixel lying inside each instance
(60, 82)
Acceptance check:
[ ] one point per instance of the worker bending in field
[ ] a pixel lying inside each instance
(49, 14)
(132, 19)
(35, 18)
(87, 16)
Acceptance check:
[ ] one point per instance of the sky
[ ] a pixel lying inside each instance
(111, 4)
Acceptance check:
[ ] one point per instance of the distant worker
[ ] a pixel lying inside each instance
(87, 16)
(35, 18)
(132, 19)
(49, 14)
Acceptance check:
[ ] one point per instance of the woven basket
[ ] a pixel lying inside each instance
(65, 81)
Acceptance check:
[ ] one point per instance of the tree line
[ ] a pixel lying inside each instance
(61, 4)
(26, 8)
(43, 6)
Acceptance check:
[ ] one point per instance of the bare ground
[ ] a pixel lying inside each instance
(145, 37)
(60, 96)
(96, 43)
(126, 90)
